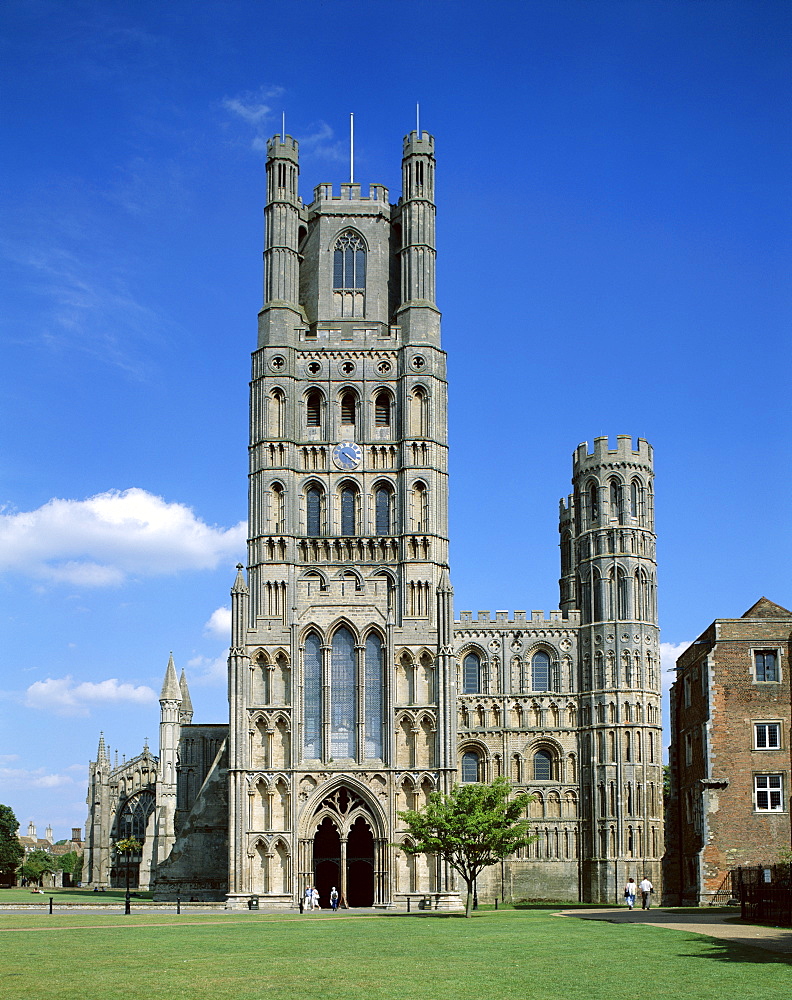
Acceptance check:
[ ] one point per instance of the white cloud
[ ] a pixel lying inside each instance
(669, 654)
(205, 671)
(98, 542)
(219, 623)
(63, 696)
(23, 778)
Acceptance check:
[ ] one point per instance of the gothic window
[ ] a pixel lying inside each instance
(540, 671)
(383, 510)
(471, 671)
(471, 764)
(348, 408)
(313, 510)
(313, 408)
(373, 696)
(276, 407)
(418, 420)
(349, 261)
(593, 492)
(343, 708)
(634, 494)
(382, 409)
(615, 498)
(623, 592)
(312, 696)
(566, 552)
(599, 597)
(277, 510)
(542, 766)
(348, 510)
(420, 508)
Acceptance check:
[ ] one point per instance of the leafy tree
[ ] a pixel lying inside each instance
(68, 862)
(470, 828)
(37, 864)
(11, 851)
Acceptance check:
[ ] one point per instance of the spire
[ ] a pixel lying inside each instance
(186, 708)
(101, 753)
(444, 584)
(240, 585)
(170, 686)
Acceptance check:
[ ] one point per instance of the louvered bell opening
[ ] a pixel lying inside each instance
(348, 408)
(314, 410)
(382, 410)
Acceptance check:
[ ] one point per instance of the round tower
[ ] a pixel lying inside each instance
(282, 233)
(609, 572)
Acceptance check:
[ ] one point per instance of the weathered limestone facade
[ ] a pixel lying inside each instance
(353, 693)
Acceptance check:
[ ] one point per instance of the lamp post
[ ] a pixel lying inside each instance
(127, 846)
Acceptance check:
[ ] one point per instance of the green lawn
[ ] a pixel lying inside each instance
(520, 954)
(68, 896)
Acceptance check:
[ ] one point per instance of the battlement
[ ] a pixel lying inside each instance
(281, 148)
(414, 143)
(584, 460)
(519, 618)
(566, 510)
(378, 193)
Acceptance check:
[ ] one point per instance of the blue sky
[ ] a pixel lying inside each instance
(614, 249)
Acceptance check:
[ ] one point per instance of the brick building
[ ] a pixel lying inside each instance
(729, 756)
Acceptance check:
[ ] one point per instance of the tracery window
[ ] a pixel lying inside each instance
(312, 696)
(373, 696)
(343, 695)
(349, 274)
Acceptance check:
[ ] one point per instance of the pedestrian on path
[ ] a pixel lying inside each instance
(314, 899)
(308, 897)
(629, 893)
(647, 889)
(334, 899)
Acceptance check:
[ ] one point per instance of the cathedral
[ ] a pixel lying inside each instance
(353, 691)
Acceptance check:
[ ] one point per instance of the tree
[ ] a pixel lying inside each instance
(37, 864)
(71, 864)
(470, 828)
(11, 851)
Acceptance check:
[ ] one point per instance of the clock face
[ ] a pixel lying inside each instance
(347, 455)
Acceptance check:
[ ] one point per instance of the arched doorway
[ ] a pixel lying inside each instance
(344, 849)
(360, 864)
(327, 860)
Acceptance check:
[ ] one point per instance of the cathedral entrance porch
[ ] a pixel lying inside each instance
(344, 863)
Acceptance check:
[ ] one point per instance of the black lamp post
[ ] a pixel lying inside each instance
(127, 846)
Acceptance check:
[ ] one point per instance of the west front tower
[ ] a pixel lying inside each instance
(342, 692)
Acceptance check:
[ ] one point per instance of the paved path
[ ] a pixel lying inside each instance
(725, 926)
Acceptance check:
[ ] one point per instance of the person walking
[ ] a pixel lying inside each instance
(314, 898)
(334, 899)
(647, 889)
(308, 897)
(629, 893)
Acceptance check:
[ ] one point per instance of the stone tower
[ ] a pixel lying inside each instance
(608, 572)
(342, 689)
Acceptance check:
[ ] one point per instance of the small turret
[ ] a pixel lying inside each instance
(418, 314)
(186, 707)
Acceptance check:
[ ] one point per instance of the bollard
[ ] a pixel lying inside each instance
(408, 904)
(50, 905)
(496, 902)
(178, 905)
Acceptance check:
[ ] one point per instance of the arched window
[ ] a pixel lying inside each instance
(471, 671)
(594, 509)
(312, 696)
(313, 408)
(348, 510)
(343, 701)
(542, 765)
(275, 417)
(615, 498)
(470, 766)
(540, 671)
(349, 261)
(313, 512)
(599, 596)
(420, 511)
(277, 509)
(382, 409)
(373, 697)
(634, 498)
(566, 552)
(348, 408)
(418, 421)
(623, 590)
(383, 513)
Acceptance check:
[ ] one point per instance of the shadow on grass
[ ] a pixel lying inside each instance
(731, 951)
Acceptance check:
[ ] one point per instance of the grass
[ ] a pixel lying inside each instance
(509, 955)
(68, 896)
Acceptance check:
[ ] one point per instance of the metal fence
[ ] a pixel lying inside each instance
(764, 892)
